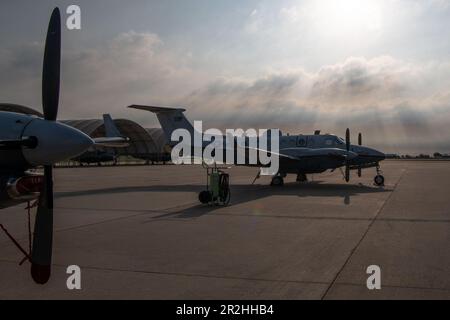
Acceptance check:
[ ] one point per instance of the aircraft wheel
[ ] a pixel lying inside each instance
(379, 180)
(301, 177)
(277, 181)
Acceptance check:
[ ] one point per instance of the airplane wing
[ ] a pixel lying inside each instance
(297, 154)
(302, 153)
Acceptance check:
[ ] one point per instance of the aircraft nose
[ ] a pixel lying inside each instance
(370, 154)
(56, 142)
(377, 154)
(351, 155)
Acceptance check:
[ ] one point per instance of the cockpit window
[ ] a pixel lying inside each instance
(329, 142)
(339, 140)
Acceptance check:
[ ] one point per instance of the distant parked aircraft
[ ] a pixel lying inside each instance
(298, 154)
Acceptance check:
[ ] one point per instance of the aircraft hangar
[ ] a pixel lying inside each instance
(145, 143)
(148, 144)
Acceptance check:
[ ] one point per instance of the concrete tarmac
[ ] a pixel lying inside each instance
(140, 233)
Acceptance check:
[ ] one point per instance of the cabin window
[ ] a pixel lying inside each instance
(301, 142)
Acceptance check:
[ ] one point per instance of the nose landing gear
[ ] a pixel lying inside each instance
(379, 178)
(278, 180)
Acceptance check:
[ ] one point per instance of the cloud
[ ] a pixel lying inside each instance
(20, 72)
(254, 22)
(355, 83)
(439, 4)
(393, 102)
(131, 68)
(363, 81)
(397, 104)
(263, 102)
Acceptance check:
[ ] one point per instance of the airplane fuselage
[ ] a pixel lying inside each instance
(308, 154)
(317, 163)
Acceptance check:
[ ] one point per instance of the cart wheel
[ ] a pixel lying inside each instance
(205, 197)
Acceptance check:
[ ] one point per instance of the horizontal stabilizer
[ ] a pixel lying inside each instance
(112, 142)
(113, 138)
(156, 109)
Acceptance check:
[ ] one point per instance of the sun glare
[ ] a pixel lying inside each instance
(347, 17)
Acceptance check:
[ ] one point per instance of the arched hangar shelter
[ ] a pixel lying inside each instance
(147, 144)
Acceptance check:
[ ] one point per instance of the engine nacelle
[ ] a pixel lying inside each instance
(25, 188)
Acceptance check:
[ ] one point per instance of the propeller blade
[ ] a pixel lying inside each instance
(51, 69)
(41, 254)
(347, 139)
(347, 173)
(360, 144)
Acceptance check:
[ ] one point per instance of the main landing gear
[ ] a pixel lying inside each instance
(301, 177)
(278, 179)
(379, 178)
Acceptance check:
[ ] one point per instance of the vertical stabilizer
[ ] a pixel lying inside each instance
(170, 119)
(111, 130)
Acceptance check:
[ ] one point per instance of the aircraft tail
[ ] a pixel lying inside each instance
(170, 119)
(114, 138)
(111, 130)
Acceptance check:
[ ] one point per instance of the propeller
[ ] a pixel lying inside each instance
(347, 146)
(41, 255)
(360, 144)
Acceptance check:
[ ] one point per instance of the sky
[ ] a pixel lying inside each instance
(380, 67)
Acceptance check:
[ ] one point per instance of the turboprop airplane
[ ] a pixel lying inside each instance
(298, 154)
(27, 142)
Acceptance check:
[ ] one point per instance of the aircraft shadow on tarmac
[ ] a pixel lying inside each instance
(241, 193)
